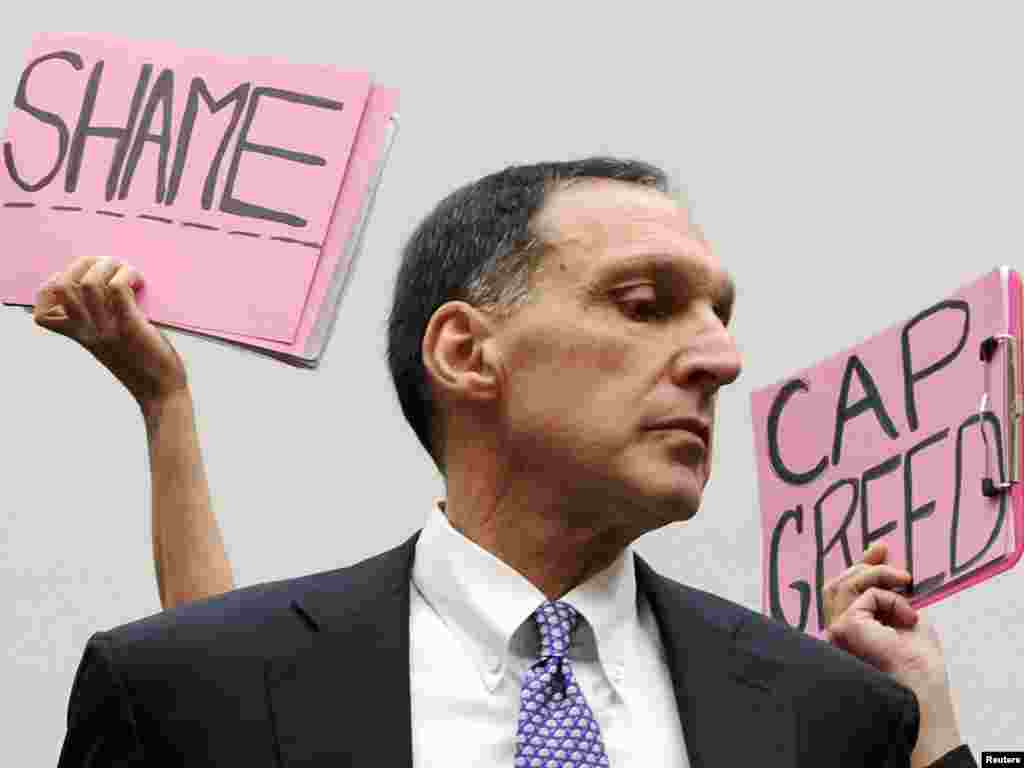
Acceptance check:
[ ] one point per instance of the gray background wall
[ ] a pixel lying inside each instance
(851, 162)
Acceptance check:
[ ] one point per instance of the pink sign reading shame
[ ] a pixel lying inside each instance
(892, 440)
(216, 177)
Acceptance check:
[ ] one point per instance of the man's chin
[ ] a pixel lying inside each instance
(684, 497)
(650, 495)
(680, 479)
(683, 509)
(674, 501)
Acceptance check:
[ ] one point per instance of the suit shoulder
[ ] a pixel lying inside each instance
(715, 611)
(250, 612)
(801, 655)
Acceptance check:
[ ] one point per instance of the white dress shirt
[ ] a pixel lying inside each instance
(472, 635)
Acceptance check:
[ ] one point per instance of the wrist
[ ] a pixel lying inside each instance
(155, 409)
(939, 732)
(930, 747)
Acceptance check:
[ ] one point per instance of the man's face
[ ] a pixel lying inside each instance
(628, 331)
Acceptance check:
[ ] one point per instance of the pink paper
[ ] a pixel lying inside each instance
(369, 144)
(240, 260)
(954, 529)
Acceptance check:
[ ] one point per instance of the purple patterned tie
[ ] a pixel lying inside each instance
(556, 727)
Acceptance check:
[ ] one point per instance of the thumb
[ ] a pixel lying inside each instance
(46, 297)
(56, 309)
(53, 319)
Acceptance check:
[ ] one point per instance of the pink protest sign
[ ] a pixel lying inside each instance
(891, 440)
(337, 252)
(217, 177)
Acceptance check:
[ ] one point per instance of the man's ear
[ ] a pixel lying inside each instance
(458, 352)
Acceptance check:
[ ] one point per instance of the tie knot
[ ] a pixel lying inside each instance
(556, 621)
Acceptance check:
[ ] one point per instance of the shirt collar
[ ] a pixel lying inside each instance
(485, 601)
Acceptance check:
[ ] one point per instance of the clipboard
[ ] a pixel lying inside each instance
(913, 437)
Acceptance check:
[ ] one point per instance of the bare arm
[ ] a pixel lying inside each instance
(93, 303)
(188, 550)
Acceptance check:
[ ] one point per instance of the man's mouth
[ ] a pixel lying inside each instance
(696, 427)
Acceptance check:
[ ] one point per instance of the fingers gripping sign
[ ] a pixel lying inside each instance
(839, 593)
(875, 628)
(59, 304)
(863, 614)
(99, 299)
(93, 303)
(67, 305)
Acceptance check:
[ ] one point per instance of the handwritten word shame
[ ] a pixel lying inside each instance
(848, 497)
(149, 120)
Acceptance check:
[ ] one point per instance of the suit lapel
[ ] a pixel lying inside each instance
(731, 703)
(342, 696)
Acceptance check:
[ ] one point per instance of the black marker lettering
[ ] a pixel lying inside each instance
(840, 537)
(871, 399)
(196, 91)
(162, 95)
(911, 513)
(21, 102)
(954, 569)
(85, 130)
(785, 473)
(870, 475)
(802, 587)
(911, 377)
(293, 241)
(230, 204)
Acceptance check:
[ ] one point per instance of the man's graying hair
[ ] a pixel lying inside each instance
(479, 245)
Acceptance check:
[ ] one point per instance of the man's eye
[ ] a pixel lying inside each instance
(724, 314)
(643, 309)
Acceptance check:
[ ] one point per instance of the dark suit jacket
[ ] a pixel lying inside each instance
(314, 671)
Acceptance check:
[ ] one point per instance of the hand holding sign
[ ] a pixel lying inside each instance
(93, 302)
(880, 626)
(863, 612)
(842, 591)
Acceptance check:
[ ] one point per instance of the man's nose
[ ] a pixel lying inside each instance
(710, 356)
(720, 357)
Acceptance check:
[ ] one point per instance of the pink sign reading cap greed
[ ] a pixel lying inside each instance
(891, 441)
(215, 176)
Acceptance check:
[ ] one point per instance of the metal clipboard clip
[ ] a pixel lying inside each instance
(1012, 411)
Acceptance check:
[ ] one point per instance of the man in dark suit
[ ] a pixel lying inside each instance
(558, 336)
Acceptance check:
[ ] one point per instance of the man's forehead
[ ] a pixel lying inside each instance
(604, 221)
(590, 209)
